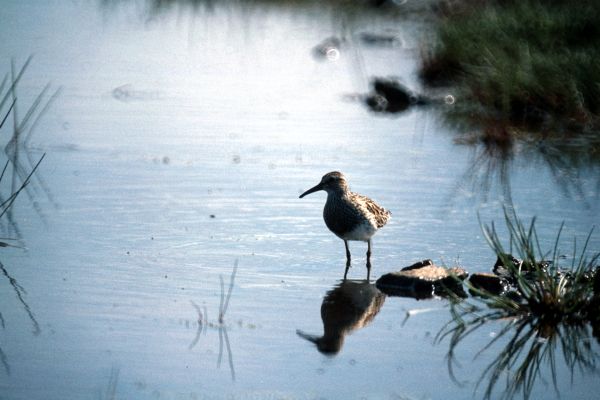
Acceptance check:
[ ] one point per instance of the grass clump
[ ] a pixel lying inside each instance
(547, 291)
(17, 174)
(552, 311)
(527, 62)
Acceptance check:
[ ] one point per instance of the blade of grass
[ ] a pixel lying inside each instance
(231, 280)
(12, 105)
(15, 81)
(30, 112)
(13, 197)
(43, 111)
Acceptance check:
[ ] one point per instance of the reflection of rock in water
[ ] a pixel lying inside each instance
(379, 39)
(328, 49)
(348, 306)
(128, 92)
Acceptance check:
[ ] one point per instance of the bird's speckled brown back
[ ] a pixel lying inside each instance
(378, 213)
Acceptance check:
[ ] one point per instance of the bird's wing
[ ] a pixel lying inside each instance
(380, 214)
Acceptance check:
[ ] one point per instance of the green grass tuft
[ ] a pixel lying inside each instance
(526, 62)
(554, 308)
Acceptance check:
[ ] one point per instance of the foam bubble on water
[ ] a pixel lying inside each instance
(333, 54)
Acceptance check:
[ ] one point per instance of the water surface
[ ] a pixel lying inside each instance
(178, 145)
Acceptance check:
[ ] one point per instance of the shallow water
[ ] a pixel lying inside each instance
(177, 147)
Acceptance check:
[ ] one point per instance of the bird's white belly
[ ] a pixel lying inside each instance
(362, 232)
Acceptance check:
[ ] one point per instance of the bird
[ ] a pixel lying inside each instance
(350, 216)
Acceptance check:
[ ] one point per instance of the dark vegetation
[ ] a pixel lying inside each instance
(529, 62)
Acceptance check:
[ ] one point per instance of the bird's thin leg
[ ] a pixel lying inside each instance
(368, 259)
(347, 258)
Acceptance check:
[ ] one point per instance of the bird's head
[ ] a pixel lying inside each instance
(332, 182)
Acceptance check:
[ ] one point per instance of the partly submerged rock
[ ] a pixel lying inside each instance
(390, 96)
(423, 280)
(489, 283)
(506, 262)
(328, 49)
(512, 269)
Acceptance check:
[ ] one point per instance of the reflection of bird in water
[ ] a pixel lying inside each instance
(349, 306)
(350, 216)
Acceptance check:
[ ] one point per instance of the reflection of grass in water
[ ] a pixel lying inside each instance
(22, 130)
(573, 164)
(530, 349)
(7, 203)
(203, 322)
(111, 390)
(344, 15)
(20, 292)
(342, 6)
(4, 360)
(222, 328)
(554, 308)
(17, 150)
(526, 78)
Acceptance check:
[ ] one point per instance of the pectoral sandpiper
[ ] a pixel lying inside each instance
(349, 215)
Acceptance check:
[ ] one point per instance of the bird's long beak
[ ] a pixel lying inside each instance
(312, 190)
(311, 338)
